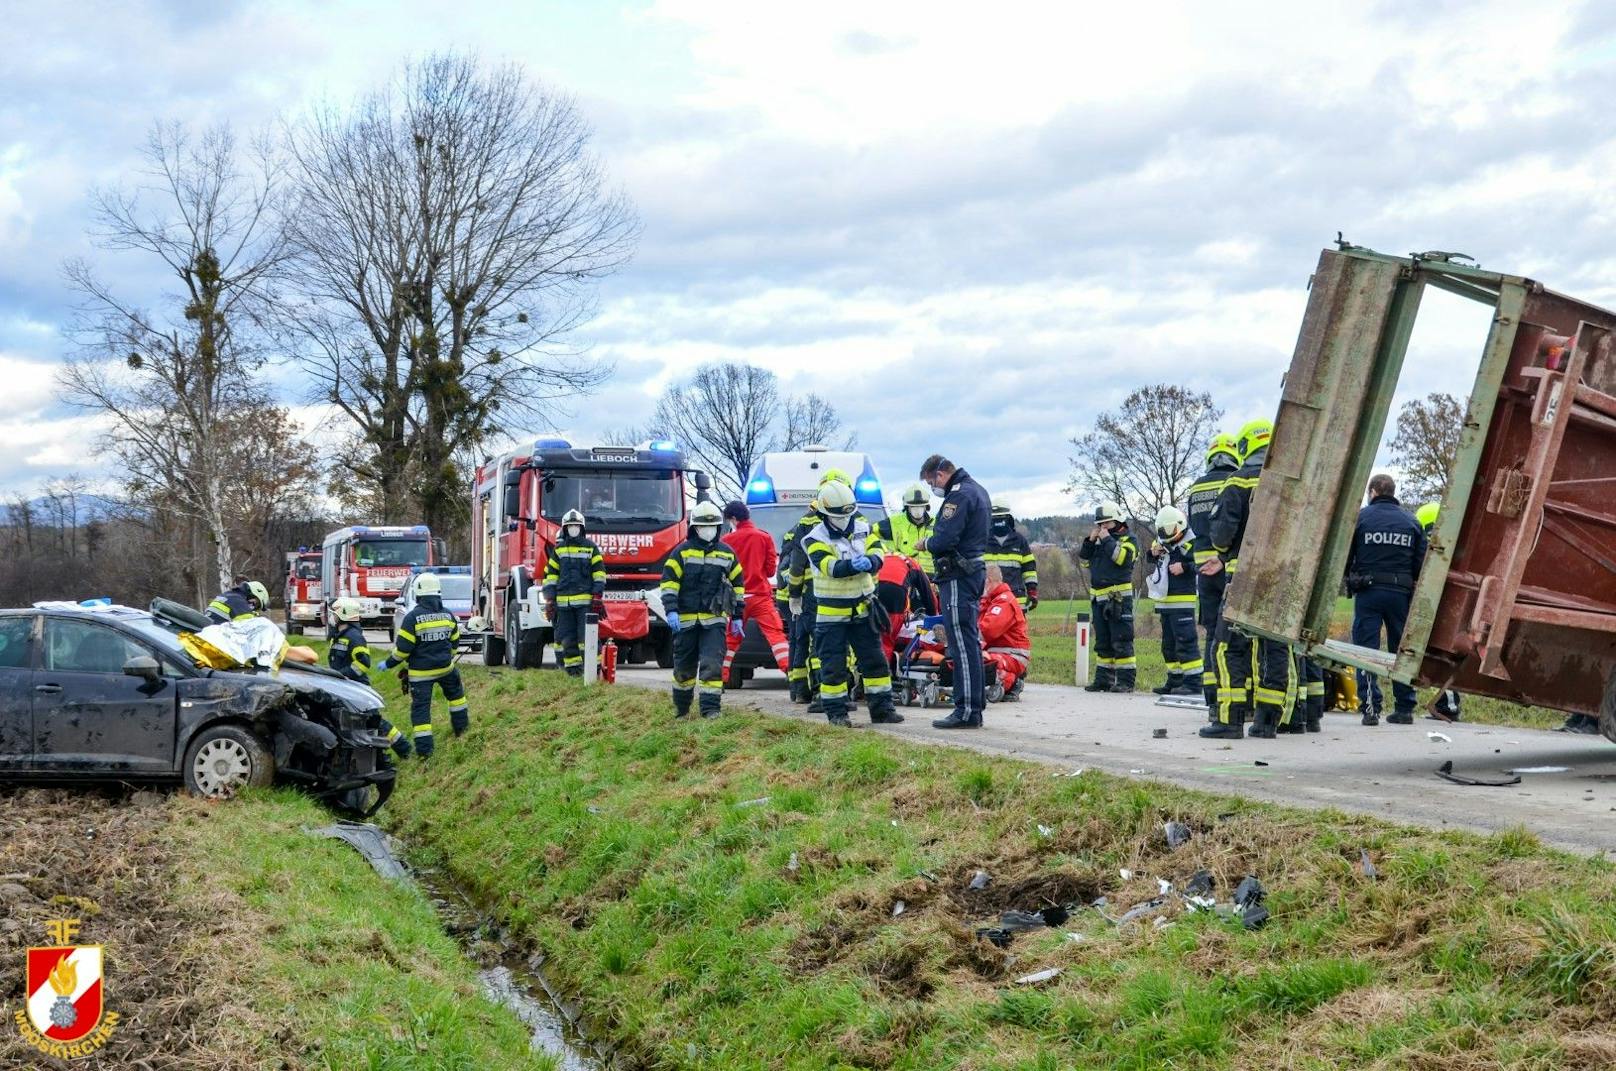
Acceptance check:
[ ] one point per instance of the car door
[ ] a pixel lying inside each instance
(88, 714)
(16, 691)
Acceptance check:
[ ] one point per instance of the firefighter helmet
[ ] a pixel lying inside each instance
(428, 584)
(835, 474)
(1223, 443)
(257, 593)
(1170, 522)
(916, 494)
(705, 515)
(1427, 514)
(1254, 436)
(1002, 512)
(1108, 511)
(347, 609)
(836, 503)
(572, 516)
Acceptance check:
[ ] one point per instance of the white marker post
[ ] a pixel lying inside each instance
(591, 645)
(1082, 656)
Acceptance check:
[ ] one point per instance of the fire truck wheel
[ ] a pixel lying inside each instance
(294, 629)
(524, 647)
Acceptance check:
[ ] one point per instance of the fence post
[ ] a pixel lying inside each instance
(1082, 654)
(591, 646)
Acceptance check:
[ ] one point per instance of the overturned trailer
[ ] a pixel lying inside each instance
(1517, 597)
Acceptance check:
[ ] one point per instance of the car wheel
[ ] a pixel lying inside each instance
(224, 759)
(493, 650)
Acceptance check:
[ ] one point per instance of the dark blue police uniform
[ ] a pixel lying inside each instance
(957, 543)
(1388, 546)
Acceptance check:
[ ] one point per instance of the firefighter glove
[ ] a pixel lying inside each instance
(796, 607)
(862, 563)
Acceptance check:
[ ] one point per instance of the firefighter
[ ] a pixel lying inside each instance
(574, 585)
(1388, 546)
(1307, 715)
(425, 646)
(755, 550)
(1109, 554)
(1005, 645)
(349, 655)
(1181, 649)
(804, 673)
(957, 543)
(703, 597)
(1010, 551)
(901, 531)
(246, 600)
(844, 563)
(1222, 459)
(1274, 672)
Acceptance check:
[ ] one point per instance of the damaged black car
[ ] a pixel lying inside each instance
(110, 694)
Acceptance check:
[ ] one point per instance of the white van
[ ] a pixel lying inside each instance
(781, 486)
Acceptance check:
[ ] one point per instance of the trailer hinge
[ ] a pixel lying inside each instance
(1510, 490)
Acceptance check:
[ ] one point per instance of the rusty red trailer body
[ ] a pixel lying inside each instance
(1517, 597)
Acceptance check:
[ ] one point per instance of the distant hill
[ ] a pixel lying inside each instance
(1061, 530)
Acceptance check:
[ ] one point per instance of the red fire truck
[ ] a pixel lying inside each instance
(304, 608)
(370, 563)
(634, 502)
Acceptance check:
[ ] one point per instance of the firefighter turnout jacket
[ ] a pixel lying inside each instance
(838, 587)
(349, 654)
(1203, 497)
(426, 640)
(702, 582)
(1009, 550)
(1110, 561)
(232, 605)
(1228, 523)
(1388, 546)
(574, 572)
(1181, 586)
(900, 533)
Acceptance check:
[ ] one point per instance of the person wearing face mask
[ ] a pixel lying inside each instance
(957, 543)
(1010, 551)
(901, 531)
(844, 567)
(574, 584)
(1175, 608)
(703, 596)
(804, 673)
(1109, 553)
(759, 561)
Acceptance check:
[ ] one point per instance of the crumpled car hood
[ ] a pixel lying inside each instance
(361, 697)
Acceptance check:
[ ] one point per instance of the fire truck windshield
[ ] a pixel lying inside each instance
(615, 500)
(374, 552)
(308, 570)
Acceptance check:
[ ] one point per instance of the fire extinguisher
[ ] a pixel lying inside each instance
(608, 662)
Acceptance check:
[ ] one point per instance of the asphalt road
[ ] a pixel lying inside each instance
(1386, 771)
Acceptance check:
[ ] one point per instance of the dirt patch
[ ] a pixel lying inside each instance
(101, 858)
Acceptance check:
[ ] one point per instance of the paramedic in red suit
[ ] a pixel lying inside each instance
(1004, 634)
(759, 561)
(902, 586)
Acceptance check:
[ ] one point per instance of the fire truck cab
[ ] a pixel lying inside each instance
(304, 608)
(634, 501)
(371, 563)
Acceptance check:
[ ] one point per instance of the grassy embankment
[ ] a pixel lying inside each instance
(722, 895)
(1050, 628)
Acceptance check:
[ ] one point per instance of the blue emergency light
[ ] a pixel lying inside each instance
(867, 491)
(664, 446)
(760, 490)
(552, 444)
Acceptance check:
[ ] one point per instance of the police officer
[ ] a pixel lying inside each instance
(1388, 547)
(703, 594)
(1010, 551)
(425, 646)
(574, 584)
(902, 530)
(844, 565)
(349, 655)
(1109, 553)
(1174, 549)
(1274, 672)
(246, 600)
(1222, 459)
(957, 543)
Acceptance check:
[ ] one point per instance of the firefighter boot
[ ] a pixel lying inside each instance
(1313, 712)
(799, 692)
(1104, 677)
(1261, 727)
(1175, 681)
(1233, 729)
(1124, 681)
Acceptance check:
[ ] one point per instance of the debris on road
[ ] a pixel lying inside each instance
(1445, 771)
(1177, 833)
(1201, 883)
(980, 880)
(1539, 769)
(760, 801)
(1433, 735)
(1367, 865)
(1039, 977)
(1158, 734)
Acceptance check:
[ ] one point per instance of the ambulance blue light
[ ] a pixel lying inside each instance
(664, 446)
(867, 490)
(760, 490)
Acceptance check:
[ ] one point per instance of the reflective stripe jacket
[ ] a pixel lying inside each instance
(1234, 504)
(755, 549)
(230, 606)
(900, 534)
(1004, 624)
(1198, 506)
(1181, 588)
(1110, 561)
(837, 587)
(798, 568)
(349, 655)
(426, 639)
(574, 572)
(701, 582)
(1013, 555)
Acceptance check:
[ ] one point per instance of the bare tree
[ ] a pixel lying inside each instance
(1145, 454)
(723, 418)
(1425, 444)
(810, 419)
(448, 231)
(173, 382)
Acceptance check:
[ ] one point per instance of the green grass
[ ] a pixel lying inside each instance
(332, 966)
(702, 929)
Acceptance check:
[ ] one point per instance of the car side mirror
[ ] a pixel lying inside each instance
(703, 481)
(142, 666)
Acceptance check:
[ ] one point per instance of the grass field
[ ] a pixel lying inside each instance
(1050, 628)
(725, 895)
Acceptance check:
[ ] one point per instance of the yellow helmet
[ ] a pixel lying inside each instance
(1254, 436)
(835, 474)
(1427, 514)
(1223, 443)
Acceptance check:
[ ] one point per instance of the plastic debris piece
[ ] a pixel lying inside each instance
(1127, 875)
(1164, 886)
(791, 864)
(1077, 938)
(1200, 903)
(1160, 922)
(760, 801)
(1254, 917)
(1158, 734)
(1139, 911)
(1039, 977)
(980, 880)
(995, 936)
(1445, 771)
(1367, 865)
(1045, 831)
(1249, 891)
(1055, 915)
(1201, 883)
(1136, 771)
(1259, 762)
(897, 908)
(1539, 769)
(929, 876)
(1434, 735)
(894, 823)
(1099, 902)
(1016, 921)
(1177, 833)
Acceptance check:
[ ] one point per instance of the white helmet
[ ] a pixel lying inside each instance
(837, 504)
(347, 609)
(1108, 511)
(706, 519)
(428, 584)
(572, 519)
(1170, 522)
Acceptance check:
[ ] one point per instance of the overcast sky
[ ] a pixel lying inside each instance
(972, 226)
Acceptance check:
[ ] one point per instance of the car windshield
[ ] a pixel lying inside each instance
(615, 500)
(372, 552)
(777, 520)
(158, 636)
(456, 588)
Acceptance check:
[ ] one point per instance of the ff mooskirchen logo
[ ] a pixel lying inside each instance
(64, 1014)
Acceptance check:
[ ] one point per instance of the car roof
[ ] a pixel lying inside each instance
(89, 613)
